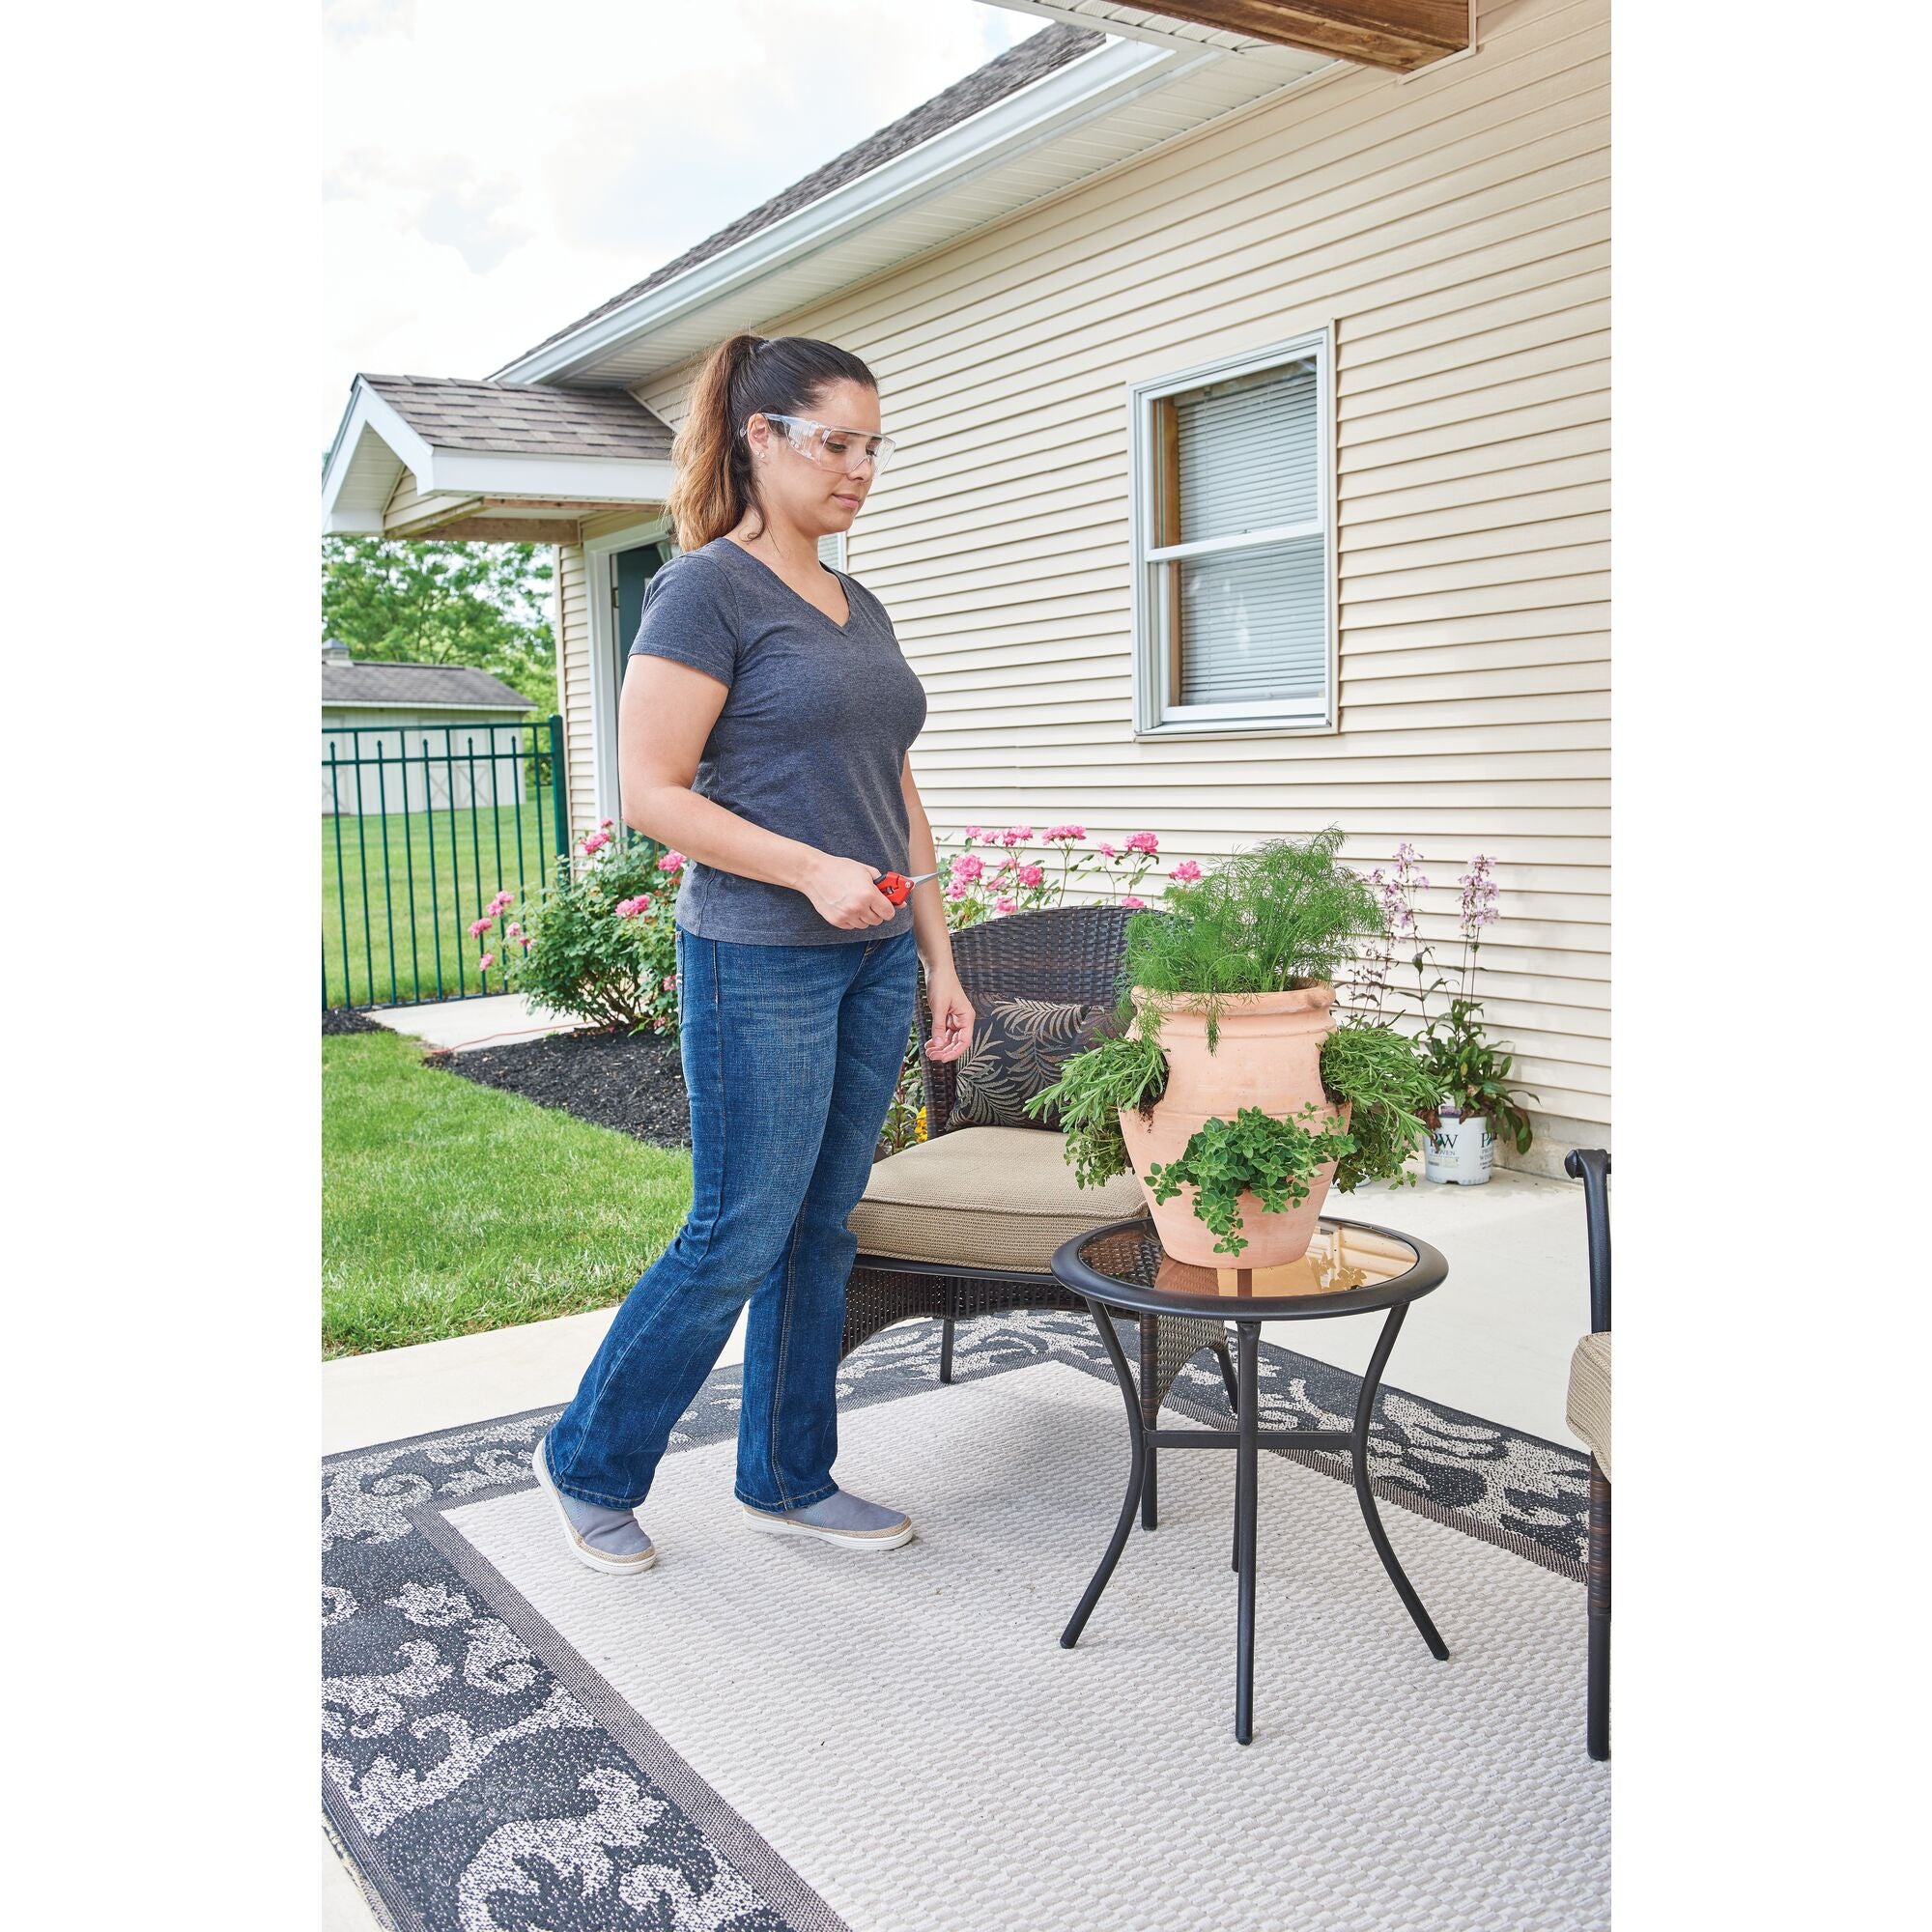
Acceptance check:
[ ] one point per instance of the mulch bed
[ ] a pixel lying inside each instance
(631, 1082)
(346, 1019)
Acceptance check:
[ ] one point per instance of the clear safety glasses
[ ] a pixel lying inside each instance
(832, 447)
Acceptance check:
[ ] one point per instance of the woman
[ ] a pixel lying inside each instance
(766, 715)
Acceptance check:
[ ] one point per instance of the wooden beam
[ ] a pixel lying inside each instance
(509, 529)
(1395, 34)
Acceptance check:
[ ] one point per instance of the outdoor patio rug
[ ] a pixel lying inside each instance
(766, 1733)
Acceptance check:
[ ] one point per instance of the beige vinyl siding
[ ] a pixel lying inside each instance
(579, 743)
(1453, 229)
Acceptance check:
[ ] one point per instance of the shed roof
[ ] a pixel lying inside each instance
(451, 414)
(445, 687)
(1021, 65)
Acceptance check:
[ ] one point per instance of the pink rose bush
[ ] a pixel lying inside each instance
(998, 870)
(599, 941)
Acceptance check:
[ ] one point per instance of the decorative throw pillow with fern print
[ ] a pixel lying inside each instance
(1019, 1046)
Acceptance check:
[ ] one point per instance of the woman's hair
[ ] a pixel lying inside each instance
(781, 375)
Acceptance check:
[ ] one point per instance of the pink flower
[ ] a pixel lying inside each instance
(595, 842)
(1004, 905)
(1032, 875)
(1106, 848)
(973, 832)
(1186, 872)
(524, 944)
(480, 927)
(670, 861)
(1055, 833)
(607, 823)
(1143, 841)
(967, 868)
(1016, 834)
(955, 891)
(514, 930)
(1132, 904)
(488, 960)
(671, 979)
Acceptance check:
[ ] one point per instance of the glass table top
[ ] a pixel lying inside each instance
(1343, 1258)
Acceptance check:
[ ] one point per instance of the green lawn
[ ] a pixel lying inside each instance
(455, 863)
(450, 1208)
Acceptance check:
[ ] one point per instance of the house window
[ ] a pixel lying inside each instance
(1234, 550)
(831, 550)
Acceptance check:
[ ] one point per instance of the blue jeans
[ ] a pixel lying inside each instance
(791, 1054)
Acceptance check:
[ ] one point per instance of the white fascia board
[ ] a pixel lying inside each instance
(367, 415)
(1111, 76)
(583, 479)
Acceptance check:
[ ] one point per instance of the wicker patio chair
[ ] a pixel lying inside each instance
(1588, 1411)
(965, 1222)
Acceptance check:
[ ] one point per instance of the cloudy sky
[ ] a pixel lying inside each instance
(493, 170)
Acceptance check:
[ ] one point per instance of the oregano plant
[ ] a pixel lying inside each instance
(1274, 1159)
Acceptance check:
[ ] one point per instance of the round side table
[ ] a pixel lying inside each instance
(1350, 1268)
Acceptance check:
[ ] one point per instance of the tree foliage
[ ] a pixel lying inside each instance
(444, 604)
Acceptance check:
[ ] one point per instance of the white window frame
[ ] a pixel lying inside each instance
(1155, 717)
(606, 685)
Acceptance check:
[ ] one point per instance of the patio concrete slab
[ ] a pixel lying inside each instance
(493, 1020)
(1495, 1340)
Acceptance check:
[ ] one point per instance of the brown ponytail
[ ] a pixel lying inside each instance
(747, 375)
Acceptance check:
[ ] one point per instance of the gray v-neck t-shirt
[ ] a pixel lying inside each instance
(811, 742)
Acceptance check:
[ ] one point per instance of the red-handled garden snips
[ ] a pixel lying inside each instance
(895, 885)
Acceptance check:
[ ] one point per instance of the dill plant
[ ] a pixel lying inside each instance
(1281, 914)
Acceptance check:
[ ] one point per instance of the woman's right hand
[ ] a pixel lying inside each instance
(847, 892)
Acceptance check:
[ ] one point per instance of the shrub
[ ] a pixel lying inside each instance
(600, 943)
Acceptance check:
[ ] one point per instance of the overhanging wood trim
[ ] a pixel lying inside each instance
(510, 530)
(1397, 35)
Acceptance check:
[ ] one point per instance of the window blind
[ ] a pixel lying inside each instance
(1248, 457)
(1253, 622)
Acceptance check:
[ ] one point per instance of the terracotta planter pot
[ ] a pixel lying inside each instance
(1269, 1056)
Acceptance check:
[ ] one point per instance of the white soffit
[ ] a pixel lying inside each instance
(1123, 98)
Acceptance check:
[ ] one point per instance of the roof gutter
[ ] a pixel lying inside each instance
(1093, 85)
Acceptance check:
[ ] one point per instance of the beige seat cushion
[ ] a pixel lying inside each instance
(1589, 1407)
(984, 1197)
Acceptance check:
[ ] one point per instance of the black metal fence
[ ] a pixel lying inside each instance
(422, 826)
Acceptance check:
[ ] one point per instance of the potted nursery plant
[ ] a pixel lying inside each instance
(1227, 1088)
(1474, 1102)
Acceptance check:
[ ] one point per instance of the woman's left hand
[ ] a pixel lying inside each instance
(951, 1016)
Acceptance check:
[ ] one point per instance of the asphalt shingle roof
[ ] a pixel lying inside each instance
(374, 682)
(1034, 57)
(512, 416)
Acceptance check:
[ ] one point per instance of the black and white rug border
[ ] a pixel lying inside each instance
(1421, 1446)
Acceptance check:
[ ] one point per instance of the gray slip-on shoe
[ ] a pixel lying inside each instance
(841, 1517)
(606, 1539)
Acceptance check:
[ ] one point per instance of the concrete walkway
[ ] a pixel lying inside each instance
(495, 1019)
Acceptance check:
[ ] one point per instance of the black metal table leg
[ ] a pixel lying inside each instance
(1359, 1447)
(1246, 1458)
(947, 1324)
(1149, 1325)
(1102, 1321)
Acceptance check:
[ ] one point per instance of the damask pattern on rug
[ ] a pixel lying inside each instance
(480, 1788)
